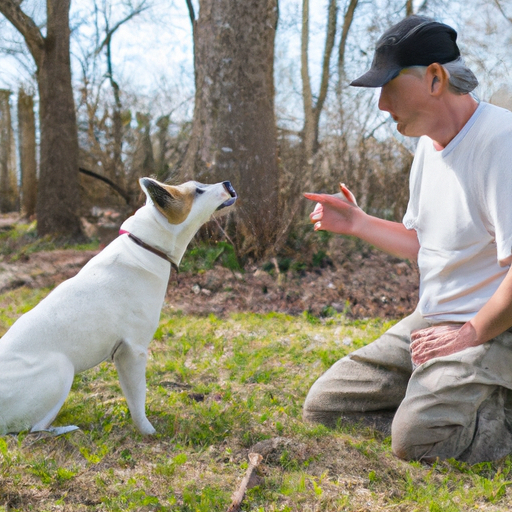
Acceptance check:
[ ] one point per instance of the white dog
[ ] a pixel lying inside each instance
(109, 310)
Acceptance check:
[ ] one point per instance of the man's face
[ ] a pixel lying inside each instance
(407, 99)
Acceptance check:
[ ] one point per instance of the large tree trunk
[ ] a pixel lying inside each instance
(8, 182)
(58, 197)
(234, 133)
(27, 149)
(58, 201)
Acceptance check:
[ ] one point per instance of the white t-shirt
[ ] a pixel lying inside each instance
(461, 208)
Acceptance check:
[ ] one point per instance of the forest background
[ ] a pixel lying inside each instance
(255, 92)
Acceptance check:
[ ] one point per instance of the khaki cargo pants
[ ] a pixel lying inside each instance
(456, 406)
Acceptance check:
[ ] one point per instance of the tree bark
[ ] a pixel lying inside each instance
(234, 134)
(58, 197)
(27, 149)
(312, 111)
(58, 200)
(8, 181)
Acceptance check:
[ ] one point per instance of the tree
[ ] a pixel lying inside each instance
(8, 184)
(58, 198)
(348, 18)
(502, 10)
(143, 157)
(234, 134)
(27, 150)
(313, 110)
(116, 172)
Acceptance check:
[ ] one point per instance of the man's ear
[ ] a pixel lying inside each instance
(438, 79)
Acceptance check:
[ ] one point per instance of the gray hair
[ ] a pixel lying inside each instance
(461, 78)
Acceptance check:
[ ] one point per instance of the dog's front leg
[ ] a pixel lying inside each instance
(131, 366)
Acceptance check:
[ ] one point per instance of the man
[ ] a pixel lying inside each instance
(447, 368)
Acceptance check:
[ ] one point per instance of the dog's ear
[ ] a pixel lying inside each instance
(171, 201)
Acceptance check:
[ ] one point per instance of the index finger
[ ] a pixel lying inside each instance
(327, 199)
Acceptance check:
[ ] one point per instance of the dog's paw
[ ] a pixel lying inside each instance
(146, 429)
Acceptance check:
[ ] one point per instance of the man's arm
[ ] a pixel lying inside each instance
(345, 217)
(493, 319)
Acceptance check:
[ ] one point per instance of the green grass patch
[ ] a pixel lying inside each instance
(216, 386)
(22, 240)
(203, 256)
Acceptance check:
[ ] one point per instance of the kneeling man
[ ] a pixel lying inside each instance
(447, 369)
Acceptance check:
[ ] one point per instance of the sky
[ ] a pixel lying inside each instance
(152, 54)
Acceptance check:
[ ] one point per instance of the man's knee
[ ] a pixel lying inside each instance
(410, 439)
(403, 442)
(418, 435)
(323, 404)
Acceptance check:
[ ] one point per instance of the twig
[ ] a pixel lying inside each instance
(110, 183)
(276, 265)
(238, 496)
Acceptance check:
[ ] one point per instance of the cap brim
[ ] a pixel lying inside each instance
(376, 77)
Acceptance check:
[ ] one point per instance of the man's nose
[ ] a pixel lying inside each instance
(383, 104)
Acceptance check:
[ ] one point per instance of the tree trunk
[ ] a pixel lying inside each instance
(58, 201)
(58, 197)
(8, 181)
(234, 134)
(143, 158)
(27, 149)
(312, 111)
(162, 167)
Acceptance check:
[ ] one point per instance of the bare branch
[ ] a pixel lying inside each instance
(347, 23)
(306, 82)
(110, 32)
(329, 45)
(110, 183)
(191, 12)
(500, 8)
(26, 27)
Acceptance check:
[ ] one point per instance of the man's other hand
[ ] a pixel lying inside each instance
(441, 340)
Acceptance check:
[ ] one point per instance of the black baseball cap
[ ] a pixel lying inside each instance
(414, 41)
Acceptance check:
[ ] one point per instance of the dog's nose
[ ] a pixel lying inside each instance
(231, 191)
(229, 188)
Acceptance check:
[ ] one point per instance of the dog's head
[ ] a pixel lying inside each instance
(173, 214)
(192, 201)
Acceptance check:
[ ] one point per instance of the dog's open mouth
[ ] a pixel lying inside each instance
(232, 193)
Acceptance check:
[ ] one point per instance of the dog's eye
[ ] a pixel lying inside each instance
(199, 191)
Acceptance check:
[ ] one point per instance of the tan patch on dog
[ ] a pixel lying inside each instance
(178, 208)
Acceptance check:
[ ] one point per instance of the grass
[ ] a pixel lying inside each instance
(215, 388)
(21, 240)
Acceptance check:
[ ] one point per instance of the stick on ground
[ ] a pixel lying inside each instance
(238, 496)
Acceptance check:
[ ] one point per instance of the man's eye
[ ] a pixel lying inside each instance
(199, 191)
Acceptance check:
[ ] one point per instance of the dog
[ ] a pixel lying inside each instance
(109, 310)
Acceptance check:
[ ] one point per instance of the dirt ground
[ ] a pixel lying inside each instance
(360, 284)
